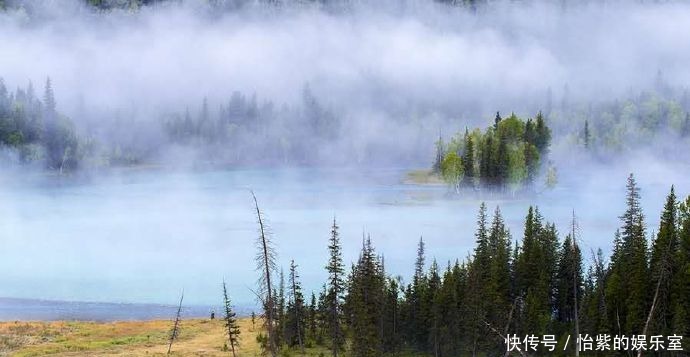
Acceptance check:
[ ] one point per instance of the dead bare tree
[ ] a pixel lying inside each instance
(265, 264)
(176, 326)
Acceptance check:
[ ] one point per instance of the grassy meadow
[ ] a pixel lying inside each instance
(198, 337)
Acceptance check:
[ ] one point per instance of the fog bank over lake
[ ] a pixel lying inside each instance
(143, 235)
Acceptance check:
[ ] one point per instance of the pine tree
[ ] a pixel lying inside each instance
(468, 160)
(54, 147)
(49, 100)
(502, 162)
(663, 268)
(569, 288)
(486, 159)
(336, 289)
(586, 135)
(543, 138)
(312, 317)
(390, 315)
(477, 282)
(432, 310)
(536, 272)
(498, 290)
(497, 120)
(416, 321)
(295, 319)
(233, 328)
(364, 301)
(530, 135)
(681, 283)
(440, 154)
(448, 310)
(628, 287)
(593, 312)
(281, 322)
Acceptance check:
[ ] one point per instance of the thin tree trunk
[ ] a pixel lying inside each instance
(267, 277)
(232, 347)
(502, 336)
(575, 277)
(173, 334)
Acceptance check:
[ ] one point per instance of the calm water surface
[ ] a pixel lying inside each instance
(142, 236)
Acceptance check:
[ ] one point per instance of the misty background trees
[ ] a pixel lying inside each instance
(246, 131)
(353, 110)
(34, 129)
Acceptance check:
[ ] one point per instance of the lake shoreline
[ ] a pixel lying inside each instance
(43, 310)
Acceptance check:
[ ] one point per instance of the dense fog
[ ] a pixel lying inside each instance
(394, 73)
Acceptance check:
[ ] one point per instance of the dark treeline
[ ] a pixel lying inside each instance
(507, 155)
(533, 286)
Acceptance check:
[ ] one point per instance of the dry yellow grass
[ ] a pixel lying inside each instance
(198, 337)
(422, 177)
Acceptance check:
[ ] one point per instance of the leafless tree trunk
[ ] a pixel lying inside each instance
(575, 286)
(176, 326)
(266, 264)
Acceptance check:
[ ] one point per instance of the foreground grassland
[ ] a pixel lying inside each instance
(198, 337)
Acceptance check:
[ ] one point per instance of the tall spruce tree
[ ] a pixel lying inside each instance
(364, 301)
(497, 292)
(281, 321)
(468, 160)
(628, 287)
(336, 289)
(536, 271)
(593, 312)
(477, 282)
(416, 320)
(663, 269)
(681, 283)
(432, 310)
(295, 314)
(569, 288)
